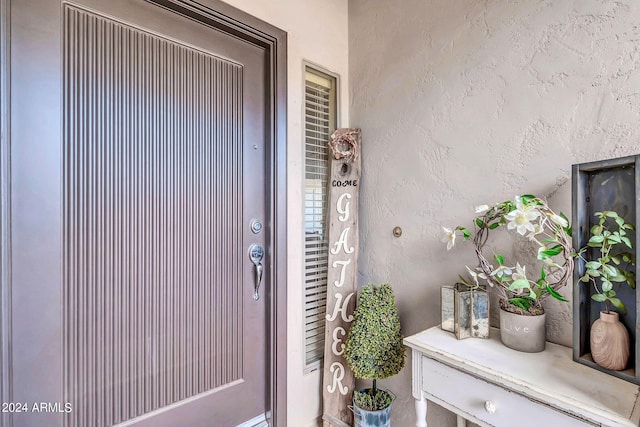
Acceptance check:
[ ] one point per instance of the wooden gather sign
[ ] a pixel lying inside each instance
(338, 380)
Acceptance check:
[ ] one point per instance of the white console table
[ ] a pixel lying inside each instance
(483, 381)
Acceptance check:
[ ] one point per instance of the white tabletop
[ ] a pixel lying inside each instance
(551, 376)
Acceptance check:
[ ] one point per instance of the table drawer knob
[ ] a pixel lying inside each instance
(489, 406)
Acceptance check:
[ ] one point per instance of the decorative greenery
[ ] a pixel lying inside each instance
(611, 266)
(529, 216)
(374, 348)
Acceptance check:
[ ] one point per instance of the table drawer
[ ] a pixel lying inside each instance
(469, 394)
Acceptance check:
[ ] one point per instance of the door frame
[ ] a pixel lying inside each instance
(231, 20)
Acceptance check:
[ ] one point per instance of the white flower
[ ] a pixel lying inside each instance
(473, 275)
(478, 275)
(521, 217)
(558, 220)
(502, 271)
(520, 272)
(481, 275)
(482, 209)
(449, 237)
(537, 229)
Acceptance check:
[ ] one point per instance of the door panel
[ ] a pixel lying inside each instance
(144, 200)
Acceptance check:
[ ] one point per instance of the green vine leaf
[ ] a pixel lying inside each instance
(618, 304)
(568, 228)
(522, 303)
(630, 279)
(597, 239)
(555, 294)
(569, 231)
(619, 278)
(592, 265)
(465, 233)
(614, 238)
(548, 253)
(610, 270)
(522, 284)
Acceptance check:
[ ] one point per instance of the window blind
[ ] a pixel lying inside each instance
(320, 122)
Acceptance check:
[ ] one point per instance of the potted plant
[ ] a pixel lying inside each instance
(609, 264)
(374, 351)
(522, 318)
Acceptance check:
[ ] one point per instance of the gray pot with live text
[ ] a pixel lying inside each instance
(523, 333)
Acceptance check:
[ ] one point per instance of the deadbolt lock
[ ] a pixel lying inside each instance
(256, 226)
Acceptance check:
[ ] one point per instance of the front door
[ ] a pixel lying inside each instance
(139, 171)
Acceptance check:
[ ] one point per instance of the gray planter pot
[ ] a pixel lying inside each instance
(523, 333)
(364, 418)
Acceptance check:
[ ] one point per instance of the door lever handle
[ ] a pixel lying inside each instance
(256, 254)
(259, 269)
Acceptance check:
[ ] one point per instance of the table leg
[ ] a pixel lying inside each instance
(461, 421)
(421, 412)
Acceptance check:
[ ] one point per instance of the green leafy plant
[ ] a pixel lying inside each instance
(532, 218)
(372, 400)
(374, 348)
(612, 259)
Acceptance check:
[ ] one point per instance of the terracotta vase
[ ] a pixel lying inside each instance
(609, 342)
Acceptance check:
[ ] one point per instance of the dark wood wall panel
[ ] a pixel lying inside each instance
(152, 165)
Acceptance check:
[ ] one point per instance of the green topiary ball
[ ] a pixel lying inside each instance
(374, 348)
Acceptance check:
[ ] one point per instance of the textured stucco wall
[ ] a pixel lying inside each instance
(469, 102)
(316, 32)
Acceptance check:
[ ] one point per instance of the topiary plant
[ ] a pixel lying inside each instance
(374, 348)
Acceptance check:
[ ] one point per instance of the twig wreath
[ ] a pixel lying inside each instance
(344, 144)
(531, 216)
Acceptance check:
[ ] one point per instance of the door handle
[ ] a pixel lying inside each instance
(256, 254)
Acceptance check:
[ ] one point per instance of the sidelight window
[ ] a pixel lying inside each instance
(319, 123)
